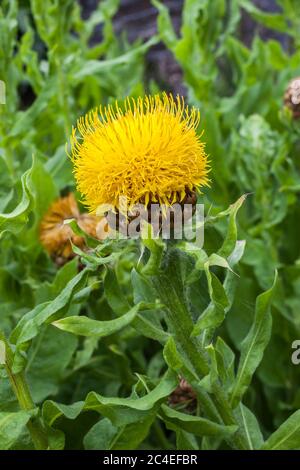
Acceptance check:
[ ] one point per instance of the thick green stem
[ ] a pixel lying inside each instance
(22, 393)
(180, 322)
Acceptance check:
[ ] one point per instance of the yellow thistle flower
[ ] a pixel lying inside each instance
(148, 151)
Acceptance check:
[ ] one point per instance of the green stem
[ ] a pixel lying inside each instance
(22, 393)
(181, 324)
(63, 97)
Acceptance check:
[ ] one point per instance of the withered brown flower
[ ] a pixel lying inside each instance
(56, 237)
(184, 395)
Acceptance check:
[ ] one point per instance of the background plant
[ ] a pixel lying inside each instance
(95, 345)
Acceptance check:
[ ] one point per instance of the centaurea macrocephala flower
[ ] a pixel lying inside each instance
(147, 151)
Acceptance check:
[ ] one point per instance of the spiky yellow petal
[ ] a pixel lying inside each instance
(148, 150)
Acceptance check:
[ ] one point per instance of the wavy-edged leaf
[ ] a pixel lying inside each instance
(120, 411)
(92, 67)
(15, 220)
(214, 314)
(194, 424)
(254, 344)
(84, 326)
(28, 326)
(229, 243)
(12, 426)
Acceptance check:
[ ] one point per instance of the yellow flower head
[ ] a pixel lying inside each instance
(148, 151)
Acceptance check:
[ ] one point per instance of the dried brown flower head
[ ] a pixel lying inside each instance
(56, 237)
(184, 395)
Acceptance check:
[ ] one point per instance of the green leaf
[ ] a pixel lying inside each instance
(250, 427)
(146, 323)
(231, 236)
(176, 362)
(28, 327)
(164, 388)
(148, 328)
(100, 436)
(142, 288)
(15, 220)
(25, 120)
(179, 364)
(156, 248)
(217, 260)
(287, 436)
(225, 358)
(186, 440)
(89, 240)
(115, 296)
(164, 24)
(104, 436)
(194, 424)
(270, 20)
(12, 426)
(120, 411)
(48, 291)
(92, 67)
(48, 358)
(85, 326)
(254, 344)
(214, 314)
